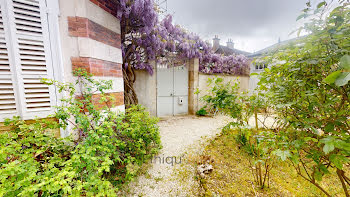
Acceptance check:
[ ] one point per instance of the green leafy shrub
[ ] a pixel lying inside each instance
(260, 147)
(32, 159)
(201, 112)
(105, 152)
(224, 97)
(308, 87)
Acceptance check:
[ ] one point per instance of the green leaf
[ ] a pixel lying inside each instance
(332, 77)
(345, 62)
(342, 145)
(338, 160)
(321, 4)
(254, 74)
(323, 169)
(328, 147)
(342, 79)
(318, 175)
(329, 127)
(303, 15)
(283, 154)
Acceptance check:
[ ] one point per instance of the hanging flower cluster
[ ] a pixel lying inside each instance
(146, 38)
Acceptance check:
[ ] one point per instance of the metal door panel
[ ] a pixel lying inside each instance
(180, 81)
(165, 78)
(165, 106)
(172, 84)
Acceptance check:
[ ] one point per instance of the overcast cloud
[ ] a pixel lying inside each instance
(252, 24)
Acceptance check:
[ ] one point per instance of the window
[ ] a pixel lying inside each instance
(260, 66)
(25, 58)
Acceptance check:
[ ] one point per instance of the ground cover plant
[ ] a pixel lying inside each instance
(105, 151)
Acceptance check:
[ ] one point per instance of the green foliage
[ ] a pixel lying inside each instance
(260, 146)
(106, 151)
(224, 97)
(340, 77)
(308, 88)
(32, 160)
(201, 112)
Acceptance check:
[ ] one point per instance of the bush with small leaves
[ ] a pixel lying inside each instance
(105, 153)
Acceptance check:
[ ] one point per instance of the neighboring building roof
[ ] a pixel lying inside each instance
(228, 51)
(275, 47)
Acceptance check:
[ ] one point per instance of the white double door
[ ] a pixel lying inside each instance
(172, 90)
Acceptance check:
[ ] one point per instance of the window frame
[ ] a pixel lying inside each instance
(49, 12)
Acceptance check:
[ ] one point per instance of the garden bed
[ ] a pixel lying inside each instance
(232, 176)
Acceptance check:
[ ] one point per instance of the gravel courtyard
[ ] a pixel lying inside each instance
(178, 134)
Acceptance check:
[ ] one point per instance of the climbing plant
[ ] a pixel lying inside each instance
(146, 38)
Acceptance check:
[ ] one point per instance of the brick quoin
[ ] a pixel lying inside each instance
(83, 27)
(97, 67)
(113, 100)
(107, 5)
(118, 100)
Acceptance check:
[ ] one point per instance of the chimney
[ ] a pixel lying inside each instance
(230, 44)
(216, 43)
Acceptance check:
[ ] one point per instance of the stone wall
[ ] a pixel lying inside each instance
(193, 85)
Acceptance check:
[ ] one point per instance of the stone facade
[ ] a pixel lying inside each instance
(107, 5)
(98, 67)
(83, 27)
(90, 36)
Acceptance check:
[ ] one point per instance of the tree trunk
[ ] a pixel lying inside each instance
(130, 97)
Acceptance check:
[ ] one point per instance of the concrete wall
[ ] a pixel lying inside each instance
(145, 87)
(204, 88)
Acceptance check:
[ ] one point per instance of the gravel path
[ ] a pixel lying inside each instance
(178, 134)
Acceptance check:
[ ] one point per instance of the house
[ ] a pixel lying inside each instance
(49, 39)
(227, 50)
(259, 67)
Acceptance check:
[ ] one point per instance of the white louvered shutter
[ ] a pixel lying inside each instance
(30, 47)
(8, 106)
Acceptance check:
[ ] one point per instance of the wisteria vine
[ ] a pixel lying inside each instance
(145, 38)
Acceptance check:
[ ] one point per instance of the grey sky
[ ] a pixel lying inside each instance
(252, 24)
